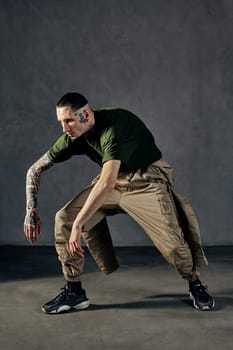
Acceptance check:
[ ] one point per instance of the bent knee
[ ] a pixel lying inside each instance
(59, 215)
(66, 215)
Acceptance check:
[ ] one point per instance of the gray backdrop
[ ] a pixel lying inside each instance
(168, 61)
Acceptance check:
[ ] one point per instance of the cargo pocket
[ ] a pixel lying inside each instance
(167, 210)
(165, 204)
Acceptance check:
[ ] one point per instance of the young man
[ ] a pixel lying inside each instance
(134, 180)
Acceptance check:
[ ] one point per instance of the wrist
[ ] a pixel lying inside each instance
(31, 216)
(77, 225)
(32, 212)
(79, 221)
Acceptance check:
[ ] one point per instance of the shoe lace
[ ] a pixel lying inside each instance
(202, 292)
(62, 294)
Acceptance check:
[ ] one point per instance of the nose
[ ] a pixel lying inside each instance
(65, 127)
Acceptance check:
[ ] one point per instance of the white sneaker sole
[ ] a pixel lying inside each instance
(204, 308)
(81, 306)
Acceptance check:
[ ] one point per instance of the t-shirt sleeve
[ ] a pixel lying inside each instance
(62, 150)
(128, 140)
(110, 146)
(115, 147)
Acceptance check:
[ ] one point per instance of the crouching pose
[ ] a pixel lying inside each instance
(134, 179)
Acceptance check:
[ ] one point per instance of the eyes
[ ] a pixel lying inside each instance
(67, 121)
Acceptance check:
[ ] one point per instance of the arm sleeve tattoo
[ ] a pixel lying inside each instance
(32, 187)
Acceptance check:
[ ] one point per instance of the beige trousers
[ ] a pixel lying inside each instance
(146, 196)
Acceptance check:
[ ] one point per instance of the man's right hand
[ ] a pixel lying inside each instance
(32, 227)
(32, 223)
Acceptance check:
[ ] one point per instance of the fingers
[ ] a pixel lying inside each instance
(32, 232)
(38, 228)
(76, 249)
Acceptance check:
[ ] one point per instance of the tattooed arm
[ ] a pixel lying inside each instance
(32, 223)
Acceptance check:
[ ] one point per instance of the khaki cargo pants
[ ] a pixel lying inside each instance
(146, 196)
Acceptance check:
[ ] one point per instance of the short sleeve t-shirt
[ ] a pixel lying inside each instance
(118, 134)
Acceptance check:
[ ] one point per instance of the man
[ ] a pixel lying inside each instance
(134, 180)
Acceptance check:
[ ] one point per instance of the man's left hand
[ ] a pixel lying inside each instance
(75, 241)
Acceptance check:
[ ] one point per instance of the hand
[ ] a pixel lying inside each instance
(32, 227)
(75, 241)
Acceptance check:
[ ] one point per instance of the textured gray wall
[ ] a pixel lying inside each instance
(168, 61)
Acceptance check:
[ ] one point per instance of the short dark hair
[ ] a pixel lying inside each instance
(74, 100)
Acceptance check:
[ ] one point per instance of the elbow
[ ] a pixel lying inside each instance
(109, 184)
(30, 171)
(112, 184)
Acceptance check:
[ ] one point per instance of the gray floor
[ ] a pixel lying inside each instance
(142, 306)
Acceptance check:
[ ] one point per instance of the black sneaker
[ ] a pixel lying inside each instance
(65, 301)
(198, 294)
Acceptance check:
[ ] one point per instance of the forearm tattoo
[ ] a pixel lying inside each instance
(32, 187)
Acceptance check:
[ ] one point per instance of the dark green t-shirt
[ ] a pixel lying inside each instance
(117, 135)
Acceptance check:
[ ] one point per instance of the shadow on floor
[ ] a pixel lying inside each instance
(30, 262)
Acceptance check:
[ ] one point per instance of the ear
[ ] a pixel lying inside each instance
(83, 118)
(86, 113)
